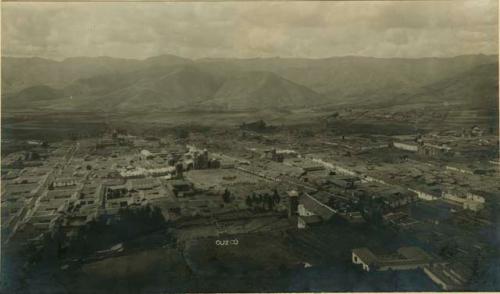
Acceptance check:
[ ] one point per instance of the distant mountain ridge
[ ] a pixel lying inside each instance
(170, 82)
(19, 72)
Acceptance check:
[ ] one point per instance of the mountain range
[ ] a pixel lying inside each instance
(170, 82)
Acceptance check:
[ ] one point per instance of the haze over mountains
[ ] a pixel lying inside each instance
(170, 82)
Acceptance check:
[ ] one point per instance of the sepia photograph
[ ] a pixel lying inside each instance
(249, 147)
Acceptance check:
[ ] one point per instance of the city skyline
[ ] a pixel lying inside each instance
(258, 147)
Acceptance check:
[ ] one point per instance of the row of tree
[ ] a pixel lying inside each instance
(265, 201)
(103, 232)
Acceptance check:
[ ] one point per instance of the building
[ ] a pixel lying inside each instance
(307, 165)
(469, 201)
(473, 205)
(199, 159)
(106, 142)
(143, 184)
(343, 182)
(448, 276)
(476, 131)
(181, 188)
(433, 150)
(162, 171)
(256, 126)
(460, 170)
(36, 143)
(475, 196)
(64, 182)
(117, 197)
(395, 198)
(307, 221)
(133, 173)
(365, 258)
(286, 153)
(293, 203)
(354, 217)
(424, 195)
(273, 155)
(214, 163)
(405, 146)
(145, 154)
(115, 192)
(406, 258)
(139, 172)
(308, 206)
(337, 168)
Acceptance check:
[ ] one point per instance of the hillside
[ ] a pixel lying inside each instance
(170, 82)
(353, 79)
(476, 88)
(184, 86)
(33, 96)
(263, 90)
(20, 73)
(150, 89)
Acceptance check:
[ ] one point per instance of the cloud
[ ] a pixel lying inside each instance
(251, 29)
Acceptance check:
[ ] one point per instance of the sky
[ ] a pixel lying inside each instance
(407, 29)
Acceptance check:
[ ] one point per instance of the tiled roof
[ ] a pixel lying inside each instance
(315, 206)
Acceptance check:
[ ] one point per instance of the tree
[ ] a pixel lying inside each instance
(248, 201)
(261, 199)
(226, 196)
(254, 198)
(269, 202)
(181, 133)
(276, 197)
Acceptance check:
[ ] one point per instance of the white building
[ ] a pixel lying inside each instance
(454, 197)
(64, 182)
(423, 195)
(473, 205)
(475, 197)
(406, 258)
(469, 201)
(145, 154)
(303, 211)
(405, 146)
(305, 221)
